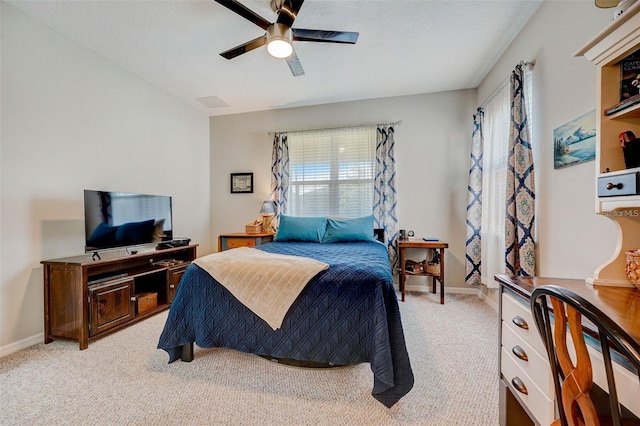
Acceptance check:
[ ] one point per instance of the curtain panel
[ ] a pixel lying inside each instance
(385, 194)
(473, 258)
(520, 257)
(280, 174)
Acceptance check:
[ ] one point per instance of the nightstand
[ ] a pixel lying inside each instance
(242, 239)
(421, 244)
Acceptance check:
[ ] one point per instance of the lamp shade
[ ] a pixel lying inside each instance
(268, 207)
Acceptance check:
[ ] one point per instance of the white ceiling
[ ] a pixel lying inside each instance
(405, 47)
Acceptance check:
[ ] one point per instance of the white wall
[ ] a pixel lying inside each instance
(432, 162)
(72, 120)
(433, 148)
(572, 240)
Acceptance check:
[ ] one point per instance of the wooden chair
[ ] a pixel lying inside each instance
(574, 381)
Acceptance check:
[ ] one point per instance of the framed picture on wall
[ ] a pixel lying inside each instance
(575, 142)
(242, 183)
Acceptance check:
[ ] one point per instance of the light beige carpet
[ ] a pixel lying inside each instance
(124, 379)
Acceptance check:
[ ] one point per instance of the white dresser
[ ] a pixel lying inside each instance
(523, 359)
(526, 385)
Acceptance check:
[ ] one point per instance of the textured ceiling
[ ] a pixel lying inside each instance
(405, 47)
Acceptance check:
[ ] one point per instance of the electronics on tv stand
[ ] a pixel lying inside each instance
(106, 278)
(178, 242)
(167, 263)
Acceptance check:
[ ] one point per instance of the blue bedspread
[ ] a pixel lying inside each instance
(347, 314)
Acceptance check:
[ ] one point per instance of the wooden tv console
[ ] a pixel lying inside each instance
(85, 298)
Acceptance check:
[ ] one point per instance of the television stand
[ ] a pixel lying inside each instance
(85, 298)
(96, 256)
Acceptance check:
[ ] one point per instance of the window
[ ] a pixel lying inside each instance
(496, 127)
(331, 172)
(494, 182)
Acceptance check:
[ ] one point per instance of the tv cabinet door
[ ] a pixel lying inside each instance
(173, 278)
(111, 305)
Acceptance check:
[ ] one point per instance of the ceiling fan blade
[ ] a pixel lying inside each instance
(294, 65)
(289, 11)
(245, 12)
(324, 36)
(244, 48)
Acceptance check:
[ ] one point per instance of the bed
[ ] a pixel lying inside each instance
(347, 314)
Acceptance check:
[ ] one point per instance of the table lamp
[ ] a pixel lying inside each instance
(268, 211)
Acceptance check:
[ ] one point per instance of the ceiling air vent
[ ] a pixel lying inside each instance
(212, 102)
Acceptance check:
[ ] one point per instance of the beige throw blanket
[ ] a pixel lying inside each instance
(266, 283)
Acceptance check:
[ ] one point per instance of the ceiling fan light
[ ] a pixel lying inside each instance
(279, 48)
(279, 41)
(607, 3)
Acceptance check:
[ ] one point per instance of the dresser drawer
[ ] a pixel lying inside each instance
(542, 408)
(623, 184)
(518, 317)
(532, 362)
(240, 242)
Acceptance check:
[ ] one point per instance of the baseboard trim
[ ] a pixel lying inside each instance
(21, 344)
(456, 290)
(488, 301)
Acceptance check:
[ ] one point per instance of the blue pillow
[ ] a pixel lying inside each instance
(294, 228)
(359, 229)
(135, 232)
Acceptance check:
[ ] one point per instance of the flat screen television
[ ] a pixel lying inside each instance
(120, 219)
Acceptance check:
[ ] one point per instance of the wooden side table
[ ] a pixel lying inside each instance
(242, 239)
(421, 244)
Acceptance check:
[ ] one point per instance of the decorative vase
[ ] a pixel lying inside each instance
(632, 268)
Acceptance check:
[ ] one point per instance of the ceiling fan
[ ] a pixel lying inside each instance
(279, 34)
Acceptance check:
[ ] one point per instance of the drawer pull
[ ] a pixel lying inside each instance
(618, 185)
(172, 286)
(519, 385)
(520, 322)
(520, 353)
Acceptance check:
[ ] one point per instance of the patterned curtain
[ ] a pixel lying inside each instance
(474, 204)
(520, 214)
(280, 174)
(384, 194)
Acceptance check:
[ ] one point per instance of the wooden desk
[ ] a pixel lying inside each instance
(621, 304)
(421, 244)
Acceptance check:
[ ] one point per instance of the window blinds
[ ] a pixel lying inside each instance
(331, 172)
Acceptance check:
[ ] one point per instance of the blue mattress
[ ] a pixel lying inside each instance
(347, 314)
